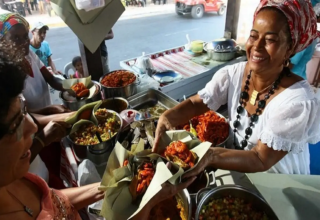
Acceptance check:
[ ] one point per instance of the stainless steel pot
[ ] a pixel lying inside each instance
(221, 45)
(74, 104)
(186, 202)
(98, 153)
(125, 91)
(209, 179)
(222, 49)
(204, 197)
(223, 56)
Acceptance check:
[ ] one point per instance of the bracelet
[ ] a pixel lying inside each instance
(41, 141)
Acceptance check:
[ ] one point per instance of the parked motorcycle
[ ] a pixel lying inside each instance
(139, 3)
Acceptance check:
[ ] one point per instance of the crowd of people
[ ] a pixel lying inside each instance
(270, 133)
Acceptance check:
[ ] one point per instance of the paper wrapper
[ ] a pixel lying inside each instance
(181, 135)
(79, 124)
(85, 112)
(118, 200)
(68, 83)
(90, 27)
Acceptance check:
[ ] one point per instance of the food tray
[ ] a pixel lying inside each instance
(150, 98)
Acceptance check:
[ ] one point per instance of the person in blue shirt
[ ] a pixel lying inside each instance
(41, 47)
(299, 60)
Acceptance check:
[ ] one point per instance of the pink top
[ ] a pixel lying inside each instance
(76, 75)
(54, 204)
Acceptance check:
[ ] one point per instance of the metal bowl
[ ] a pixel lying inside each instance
(125, 91)
(116, 104)
(223, 143)
(75, 104)
(186, 202)
(87, 151)
(206, 195)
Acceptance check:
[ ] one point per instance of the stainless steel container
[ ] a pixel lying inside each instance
(125, 91)
(186, 202)
(74, 104)
(98, 153)
(258, 202)
(150, 98)
(116, 104)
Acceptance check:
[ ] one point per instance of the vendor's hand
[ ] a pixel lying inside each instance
(55, 131)
(163, 126)
(55, 109)
(168, 191)
(201, 166)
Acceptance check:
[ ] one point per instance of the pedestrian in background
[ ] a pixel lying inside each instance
(34, 5)
(48, 7)
(41, 47)
(104, 53)
(26, 6)
(41, 6)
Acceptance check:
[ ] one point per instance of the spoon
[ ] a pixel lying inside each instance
(99, 137)
(188, 39)
(192, 130)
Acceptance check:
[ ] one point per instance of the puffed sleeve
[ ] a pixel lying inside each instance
(215, 93)
(293, 126)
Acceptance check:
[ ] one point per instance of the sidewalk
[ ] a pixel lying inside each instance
(129, 13)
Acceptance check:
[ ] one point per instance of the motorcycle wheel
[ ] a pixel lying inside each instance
(197, 11)
(178, 13)
(222, 10)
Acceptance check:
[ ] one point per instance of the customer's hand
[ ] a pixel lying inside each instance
(163, 126)
(55, 131)
(55, 109)
(168, 191)
(201, 166)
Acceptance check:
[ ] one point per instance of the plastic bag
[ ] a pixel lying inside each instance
(89, 5)
(144, 64)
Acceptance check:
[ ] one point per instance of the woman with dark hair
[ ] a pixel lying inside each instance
(27, 196)
(273, 113)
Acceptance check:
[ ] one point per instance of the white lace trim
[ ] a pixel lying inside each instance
(207, 99)
(278, 143)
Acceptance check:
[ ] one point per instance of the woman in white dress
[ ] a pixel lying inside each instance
(270, 132)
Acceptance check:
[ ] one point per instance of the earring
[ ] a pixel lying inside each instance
(286, 63)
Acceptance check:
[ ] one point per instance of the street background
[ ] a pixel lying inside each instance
(149, 29)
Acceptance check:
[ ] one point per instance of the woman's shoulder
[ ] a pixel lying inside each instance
(235, 69)
(299, 91)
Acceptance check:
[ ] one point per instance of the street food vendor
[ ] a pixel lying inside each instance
(14, 28)
(273, 113)
(27, 196)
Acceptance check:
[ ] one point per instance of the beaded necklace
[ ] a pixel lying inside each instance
(244, 96)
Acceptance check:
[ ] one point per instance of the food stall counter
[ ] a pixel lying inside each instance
(195, 71)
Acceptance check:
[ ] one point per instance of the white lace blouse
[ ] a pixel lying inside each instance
(289, 122)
